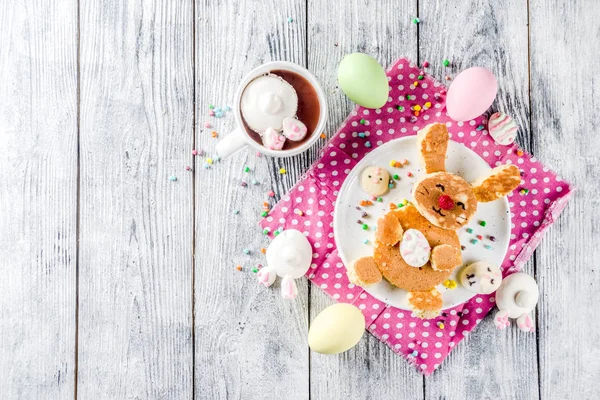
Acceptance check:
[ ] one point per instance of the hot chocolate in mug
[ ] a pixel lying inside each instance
(311, 111)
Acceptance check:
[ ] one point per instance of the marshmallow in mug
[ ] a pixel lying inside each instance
(266, 101)
(272, 139)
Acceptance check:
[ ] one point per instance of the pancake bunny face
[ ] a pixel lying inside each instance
(445, 199)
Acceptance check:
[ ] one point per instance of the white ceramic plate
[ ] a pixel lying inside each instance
(349, 235)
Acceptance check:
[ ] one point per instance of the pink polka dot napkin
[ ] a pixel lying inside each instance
(421, 342)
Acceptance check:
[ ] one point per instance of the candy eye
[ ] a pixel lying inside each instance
(492, 281)
(461, 204)
(489, 270)
(369, 176)
(439, 185)
(380, 179)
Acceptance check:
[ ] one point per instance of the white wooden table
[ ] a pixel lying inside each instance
(118, 283)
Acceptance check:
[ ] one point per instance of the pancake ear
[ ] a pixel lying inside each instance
(500, 181)
(432, 142)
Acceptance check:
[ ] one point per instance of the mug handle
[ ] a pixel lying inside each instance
(231, 143)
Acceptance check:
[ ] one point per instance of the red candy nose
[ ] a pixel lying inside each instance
(445, 202)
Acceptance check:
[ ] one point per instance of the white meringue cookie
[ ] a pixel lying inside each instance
(266, 101)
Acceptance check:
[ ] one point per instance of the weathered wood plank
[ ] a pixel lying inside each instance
(493, 35)
(38, 198)
(250, 343)
(135, 279)
(565, 98)
(384, 30)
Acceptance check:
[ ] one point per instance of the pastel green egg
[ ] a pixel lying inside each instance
(336, 329)
(363, 80)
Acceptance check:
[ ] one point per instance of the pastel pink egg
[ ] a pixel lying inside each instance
(471, 93)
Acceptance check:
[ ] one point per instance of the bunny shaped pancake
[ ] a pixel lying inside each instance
(442, 203)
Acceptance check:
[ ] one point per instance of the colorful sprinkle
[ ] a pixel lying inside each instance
(276, 233)
(243, 184)
(367, 144)
(474, 241)
(271, 193)
(218, 114)
(236, 212)
(207, 124)
(440, 325)
(469, 230)
(266, 231)
(428, 104)
(463, 248)
(416, 108)
(361, 134)
(479, 237)
(480, 128)
(450, 283)
(400, 205)
(520, 152)
(366, 241)
(365, 203)
(415, 83)
(393, 206)
(482, 223)
(218, 109)
(392, 163)
(415, 353)
(365, 227)
(379, 199)
(214, 134)
(400, 108)
(282, 171)
(323, 136)
(246, 169)
(487, 246)
(194, 152)
(396, 177)
(362, 121)
(298, 212)
(397, 164)
(409, 174)
(290, 19)
(263, 250)
(246, 251)
(238, 267)
(255, 270)
(524, 191)
(420, 77)
(211, 107)
(416, 21)
(446, 62)
(492, 238)
(188, 168)
(264, 214)
(172, 178)
(404, 202)
(255, 182)
(258, 154)
(364, 214)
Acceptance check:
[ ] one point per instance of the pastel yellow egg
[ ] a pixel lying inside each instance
(363, 80)
(336, 329)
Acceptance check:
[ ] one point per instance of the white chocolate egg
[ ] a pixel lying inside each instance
(414, 248)
(266, 101)
(272, 139)
(518, 294)
(481, 277)
(336, 329)
(294, 129)
(289, 254)
(375, 181)
(502, 128)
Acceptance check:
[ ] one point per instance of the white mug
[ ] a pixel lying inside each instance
(240, 139)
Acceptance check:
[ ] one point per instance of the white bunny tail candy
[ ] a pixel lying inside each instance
(294, 129)
(272, 140)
